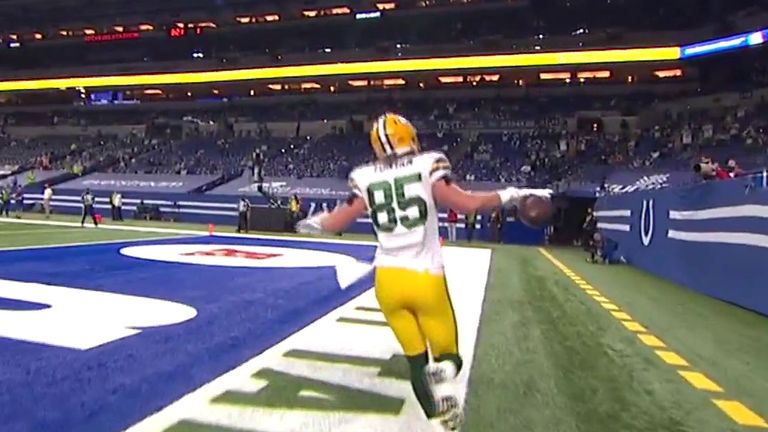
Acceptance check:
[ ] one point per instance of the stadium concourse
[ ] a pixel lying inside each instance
(561, 346)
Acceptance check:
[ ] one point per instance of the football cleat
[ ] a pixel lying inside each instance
(440, 372)
(449, 412)
(392, 135)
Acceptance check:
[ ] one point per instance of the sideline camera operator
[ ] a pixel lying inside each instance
(709, 170)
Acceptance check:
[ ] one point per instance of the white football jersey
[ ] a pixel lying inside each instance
(399, 198)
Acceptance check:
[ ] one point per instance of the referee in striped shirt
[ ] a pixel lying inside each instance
(87, 199)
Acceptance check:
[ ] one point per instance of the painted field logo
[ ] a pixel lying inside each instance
(348, 269)
(234, 253)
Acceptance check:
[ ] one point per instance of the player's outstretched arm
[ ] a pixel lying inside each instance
(449, 194)
(336, 221)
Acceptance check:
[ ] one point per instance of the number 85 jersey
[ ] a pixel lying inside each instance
(398, 195)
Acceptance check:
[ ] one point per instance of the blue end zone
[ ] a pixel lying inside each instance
(241, 312)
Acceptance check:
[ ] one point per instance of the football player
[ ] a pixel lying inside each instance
(401, 192)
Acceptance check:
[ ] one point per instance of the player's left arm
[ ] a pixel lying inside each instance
(343, 216)
(340, 218)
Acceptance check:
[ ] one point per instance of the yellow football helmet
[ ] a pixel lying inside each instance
(392, 135)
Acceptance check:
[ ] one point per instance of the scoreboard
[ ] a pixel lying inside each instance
(177, 32)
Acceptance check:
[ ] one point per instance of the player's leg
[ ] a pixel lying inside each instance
(437, 320)
(85, 214)
(393, 296)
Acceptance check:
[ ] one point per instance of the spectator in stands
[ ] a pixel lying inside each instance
(453, 219)
(88, 200)
(47, 196)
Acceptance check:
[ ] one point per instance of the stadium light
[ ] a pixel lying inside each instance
(668, 73)
(594, 74)
(554, 75)
(393, 82)
(270, 18)
(386, 6)
(450, 79)
(474, 62)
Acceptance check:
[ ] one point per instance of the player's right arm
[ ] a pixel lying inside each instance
(448, 194)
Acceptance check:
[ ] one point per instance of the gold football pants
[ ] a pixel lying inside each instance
(418, 308)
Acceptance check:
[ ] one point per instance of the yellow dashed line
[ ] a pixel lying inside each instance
(651, 341)
(621, 316)
(634, 326)
(700, 381)
(740, 414)
(737, 411)
(672, 358)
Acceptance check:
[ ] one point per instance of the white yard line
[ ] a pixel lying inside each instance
(190, 232)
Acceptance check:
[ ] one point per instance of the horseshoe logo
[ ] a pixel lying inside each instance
(646, 234)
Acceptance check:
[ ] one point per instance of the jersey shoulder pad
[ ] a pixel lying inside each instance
(437, 164)
(357, 177)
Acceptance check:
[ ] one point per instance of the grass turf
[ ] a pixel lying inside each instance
(550, 359)
(557, 361)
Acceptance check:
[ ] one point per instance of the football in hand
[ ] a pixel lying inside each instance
(535, 211)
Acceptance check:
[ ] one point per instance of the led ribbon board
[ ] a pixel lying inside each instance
(354, 68)
(724, 44)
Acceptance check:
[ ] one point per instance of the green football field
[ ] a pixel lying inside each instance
(569, 346)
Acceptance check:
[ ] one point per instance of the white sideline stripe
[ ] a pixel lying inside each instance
(201, 231)
(614, 213)
(746, 210)
(39, 198)
(38, 231)
(736, 238)
(162, 209)
(97, 242)
(613, 226)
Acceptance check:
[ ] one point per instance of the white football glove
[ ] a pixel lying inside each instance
(312, 224)
(511, 195)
